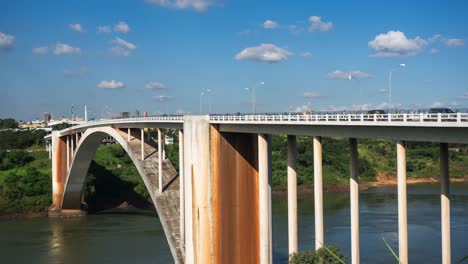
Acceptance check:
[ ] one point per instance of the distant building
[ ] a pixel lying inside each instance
(47, 118)
(125, 114)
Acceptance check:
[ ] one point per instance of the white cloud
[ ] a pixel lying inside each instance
(435, 38)
(199, 5)
(76, 27)
(303, 109)
(125, 44)
(454, 42)
(112, 84)
(463, 97)
(41, 50)
(122, 47)
(264, 53)
(316, 24)
(64, 49)
(395, 44)
(121, 27)
(104, 29)
(270, 24)
(155, 85)
(6, 41)
(312, 95)
(356, 75)
(306, 54)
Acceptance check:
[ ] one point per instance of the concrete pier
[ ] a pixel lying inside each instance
(264, 190)
(160, 158)
(142, 139)
(445, 203)
(402, 200)
(292, 194)
(318, 192)
(354, 199)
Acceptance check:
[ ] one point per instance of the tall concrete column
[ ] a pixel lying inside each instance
(142, 138)
(445, 203)
(72, 152)
(163, 136)
(264, 190)
(318, 192)
(292, 194)
(160, 160)
(199, 236)
(77, 139)
(402, 209)
(354, 199)
(68, 152)
(129, 134)
(181, 185)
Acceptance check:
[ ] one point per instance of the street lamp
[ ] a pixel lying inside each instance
(202, 93)
(253, 95)
(390, 83)
(350, 77)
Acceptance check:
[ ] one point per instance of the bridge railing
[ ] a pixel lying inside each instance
(334, 118)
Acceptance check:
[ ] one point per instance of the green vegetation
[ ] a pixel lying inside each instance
(21, 139)
(8, 123)
(375, 157)
(325, 255)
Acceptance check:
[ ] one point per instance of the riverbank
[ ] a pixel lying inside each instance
(382, 180)
(302, 190)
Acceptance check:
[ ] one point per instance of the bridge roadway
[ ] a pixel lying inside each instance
(449, 128)
(217, 209)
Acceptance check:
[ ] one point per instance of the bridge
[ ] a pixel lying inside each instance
(217, 208)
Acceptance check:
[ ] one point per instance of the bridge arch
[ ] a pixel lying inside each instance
(81, 161)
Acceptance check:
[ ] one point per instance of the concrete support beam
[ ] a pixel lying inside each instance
(77, 138)
(129, 134)
(72, 152)
(160, 160)
(68, 152)
(163, 137)
(402, 208)
(354, 199)
(318, 192)
(181, 185)
(199, 246)
(292, 194)
(142, 139)
(264, 164)
(59, 168)
(445, 203)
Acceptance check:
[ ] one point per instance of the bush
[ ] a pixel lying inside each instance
(325, 255)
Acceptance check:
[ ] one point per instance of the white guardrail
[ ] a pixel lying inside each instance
(337, 119)
(334, 118)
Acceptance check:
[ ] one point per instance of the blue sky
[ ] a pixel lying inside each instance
(159, 55)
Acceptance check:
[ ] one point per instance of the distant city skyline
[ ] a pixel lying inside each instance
(160, 56)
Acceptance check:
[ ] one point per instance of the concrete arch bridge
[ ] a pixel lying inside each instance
(217, 209)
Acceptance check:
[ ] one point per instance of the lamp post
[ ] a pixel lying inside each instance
(202, 93)
(253, 95)
(350, 77)
(390, 84)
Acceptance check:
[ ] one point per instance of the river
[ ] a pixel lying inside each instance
(135, 236)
